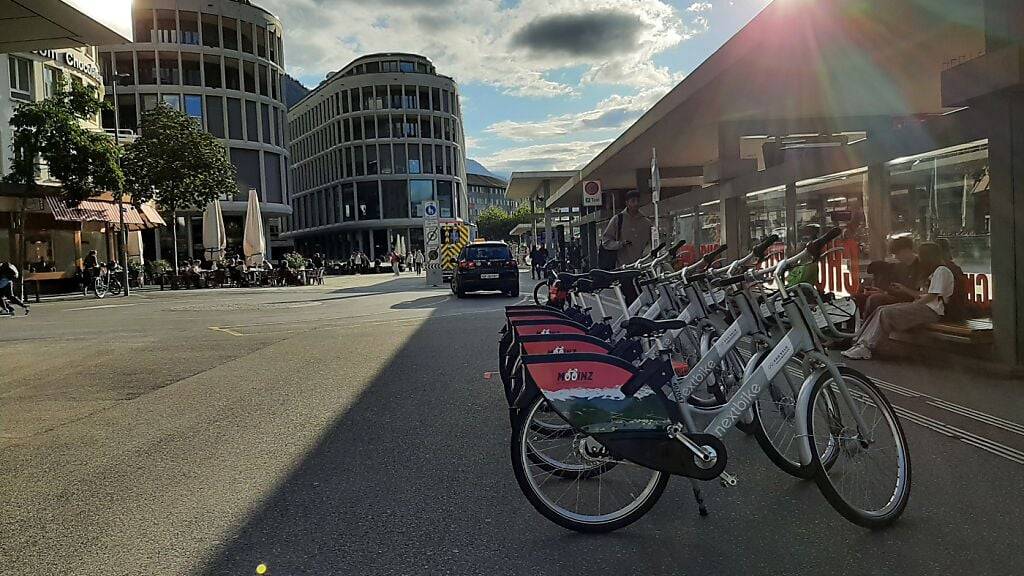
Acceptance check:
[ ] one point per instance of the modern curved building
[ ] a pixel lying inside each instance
(220, 61)
(369, 145)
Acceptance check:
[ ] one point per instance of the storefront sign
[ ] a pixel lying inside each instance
(71, 60)
(592, 193)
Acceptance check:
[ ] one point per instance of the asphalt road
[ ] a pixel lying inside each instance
(349, 429)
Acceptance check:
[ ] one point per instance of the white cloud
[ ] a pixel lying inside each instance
(552, 156)
(614, 113)
(479, 41)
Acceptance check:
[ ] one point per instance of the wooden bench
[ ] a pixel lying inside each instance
(974, 331)
(40, 277)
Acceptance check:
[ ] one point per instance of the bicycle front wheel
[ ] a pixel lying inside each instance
(541, 294)
(604, 494)
(99, 288)
(869, 480)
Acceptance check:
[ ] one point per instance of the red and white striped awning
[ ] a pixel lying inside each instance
(106, 212)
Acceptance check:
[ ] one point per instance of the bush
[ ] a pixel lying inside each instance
(158, 267)
(295, 260)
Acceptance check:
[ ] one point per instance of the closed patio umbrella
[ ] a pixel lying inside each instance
(214, 237)
(254, 244)
(135, 246)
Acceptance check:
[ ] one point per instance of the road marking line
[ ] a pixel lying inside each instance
(100, 307)
(225, 330)
(991, 446)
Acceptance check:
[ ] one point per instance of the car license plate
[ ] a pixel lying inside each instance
(489, 276)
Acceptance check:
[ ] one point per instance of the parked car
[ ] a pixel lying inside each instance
(486, 266)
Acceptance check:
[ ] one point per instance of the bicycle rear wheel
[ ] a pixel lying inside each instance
(869, 481)
(99, 287)
(541, 294)
(617, 496)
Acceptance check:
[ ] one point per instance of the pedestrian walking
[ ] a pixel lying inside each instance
(417, 261)
(395, 260)
(8, 274)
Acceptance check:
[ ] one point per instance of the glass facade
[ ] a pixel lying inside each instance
(220, 64)
(389, 144)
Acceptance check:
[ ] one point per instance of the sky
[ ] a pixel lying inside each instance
(545, 84)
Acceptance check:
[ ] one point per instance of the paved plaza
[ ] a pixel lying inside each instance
(350, 429)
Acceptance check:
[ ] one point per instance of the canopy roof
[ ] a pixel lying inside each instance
(799, 64)
(522, 185)
(43, 24)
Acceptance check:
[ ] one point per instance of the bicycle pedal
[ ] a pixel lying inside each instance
(728, 480)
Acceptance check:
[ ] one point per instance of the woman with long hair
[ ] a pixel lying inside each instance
(927, 305)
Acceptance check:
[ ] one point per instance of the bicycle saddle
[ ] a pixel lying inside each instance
(606, 278)
(584, 284)
(569, 280)
(639, 326)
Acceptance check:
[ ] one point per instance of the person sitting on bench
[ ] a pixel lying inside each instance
(925, 307)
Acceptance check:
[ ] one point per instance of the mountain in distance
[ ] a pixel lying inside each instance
(293, 91)
(474, 167)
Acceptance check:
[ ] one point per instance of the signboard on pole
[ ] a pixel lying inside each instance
(432, 243)
(655, 197)
(592, 193)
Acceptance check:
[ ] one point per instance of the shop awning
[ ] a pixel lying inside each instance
(106, 212)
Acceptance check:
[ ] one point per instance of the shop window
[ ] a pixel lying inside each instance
(229, 29)
(838, 200)
(166, 28)
(710, 227)
(766, 214)
(211, 31)
(396, 198)
(946, 196)
(369, 200)
(215, 116)
(189, 22)
(144, 26)
(420, 191)
(190, 69)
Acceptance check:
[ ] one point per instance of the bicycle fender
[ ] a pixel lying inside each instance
(803, 401)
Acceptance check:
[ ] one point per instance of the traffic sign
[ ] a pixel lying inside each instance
(592, 193)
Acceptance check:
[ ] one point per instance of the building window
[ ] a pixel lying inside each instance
(234, 119)
(211, 31)
(194, 106)
(410, 98)
(265, 117)
(400, 159)
(230, 31)
(396, 198)
(231, 78)
(386, 166)
(357, 160)
(20, 70)
(246, 28)
(144, 26)
(262, 80)
(124, 64)
(389, 66)
(261, 41)
(166, 28)
(189, 27)
(127, 111)
(414, 159)
(212, 72)
(215, 116)
(348, 202)
(147, 67)
(368, 200)
(428, 159)
(420, 191)
(444, 198)
(407, 67)
(51, 80)
(371, 160)
(249, 74)
(274, 80)
(169, 68)
(190, 69)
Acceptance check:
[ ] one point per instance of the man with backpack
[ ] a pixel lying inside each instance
(627, 235)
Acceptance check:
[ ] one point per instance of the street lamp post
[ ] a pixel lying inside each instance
(122, 233)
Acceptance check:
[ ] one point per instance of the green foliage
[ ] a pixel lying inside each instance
(295, 260)
(494, 223)
(85, 162)
(176, 162)
(158, 267)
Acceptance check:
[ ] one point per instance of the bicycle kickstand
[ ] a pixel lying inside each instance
(699, 497)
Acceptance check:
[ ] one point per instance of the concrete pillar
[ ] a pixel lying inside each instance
(879, 210)
(533, 219)
(548, 230)
(734, 222)
(1005, 120)
(792, 234)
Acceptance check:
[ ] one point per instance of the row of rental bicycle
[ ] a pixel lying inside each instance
(609, 398)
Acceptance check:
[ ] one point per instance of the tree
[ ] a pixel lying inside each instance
(494, 223)
(85, 162)
(178, 164)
